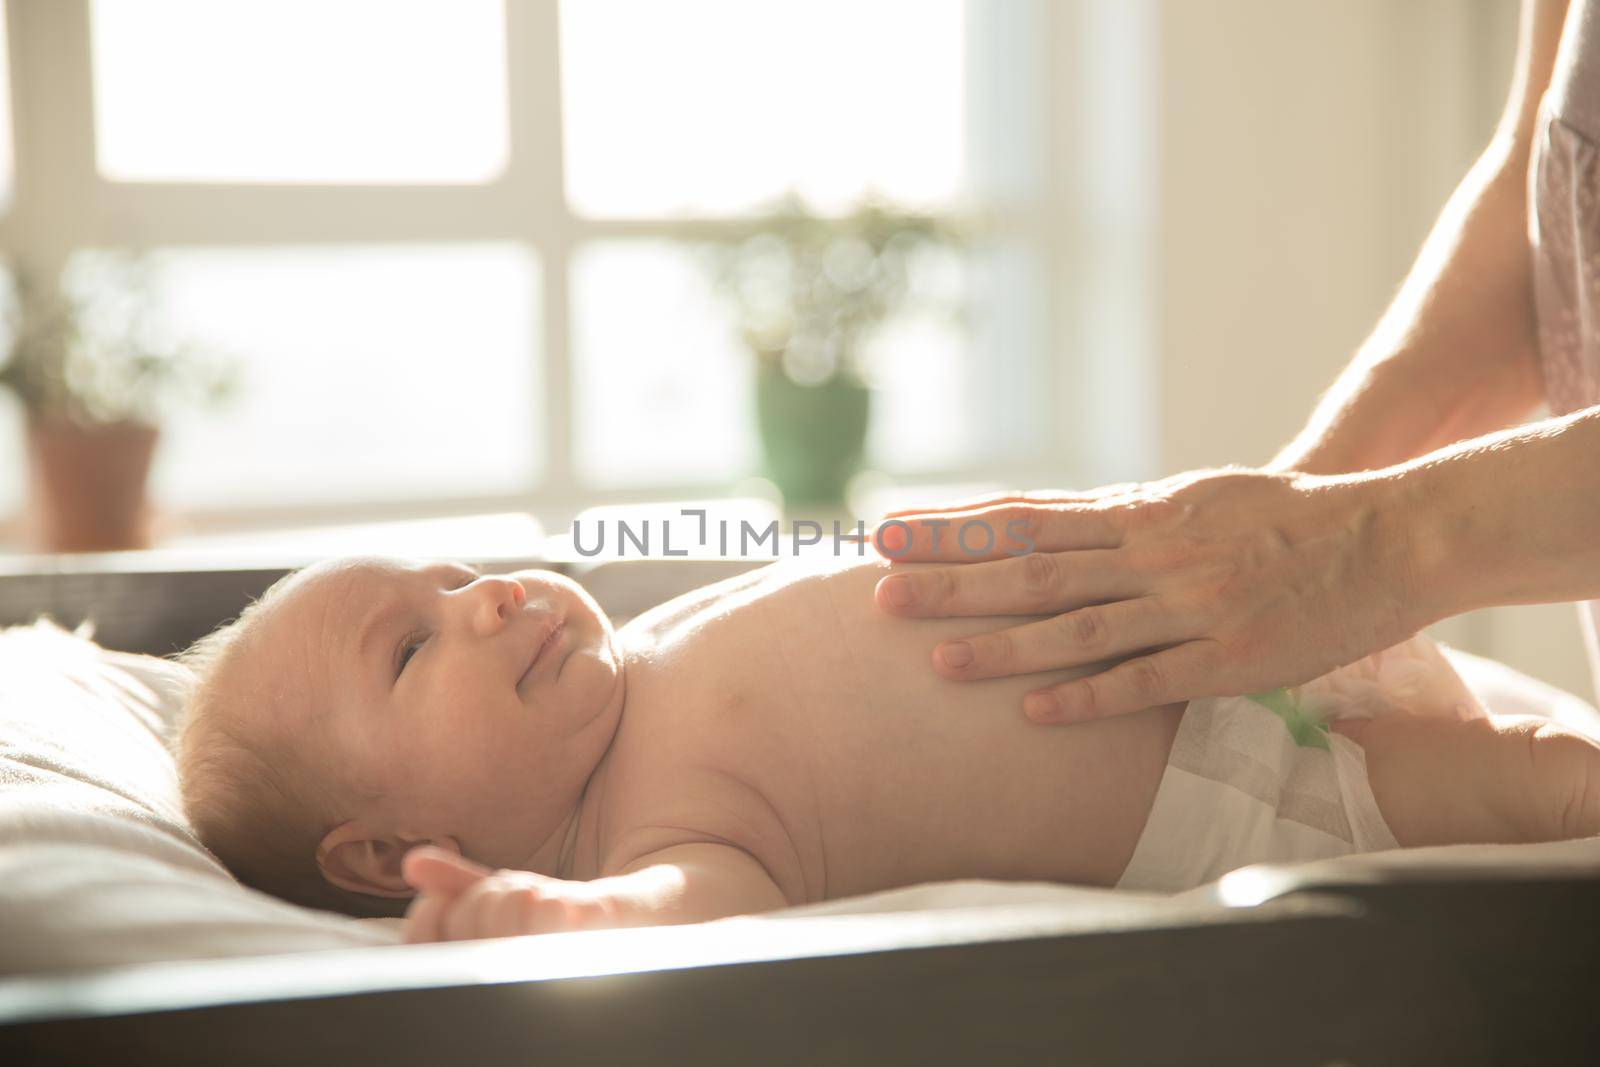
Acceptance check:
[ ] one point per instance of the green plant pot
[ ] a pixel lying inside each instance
(812, 436)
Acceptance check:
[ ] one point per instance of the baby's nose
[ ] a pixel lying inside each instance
(497, 600)
(513, 589)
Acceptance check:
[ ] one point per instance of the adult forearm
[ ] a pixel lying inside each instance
(1453, 356)
(1510, 518)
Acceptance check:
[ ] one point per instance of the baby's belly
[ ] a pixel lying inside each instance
(975, 791)
(906, 777)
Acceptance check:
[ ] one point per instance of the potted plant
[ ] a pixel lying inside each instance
(96, 370)
(807, 292)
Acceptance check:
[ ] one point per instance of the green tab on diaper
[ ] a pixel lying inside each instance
(1306, 731)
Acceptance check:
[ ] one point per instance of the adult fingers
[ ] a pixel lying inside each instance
(1000, 532)
(1040, 583)
(989, 500)
(1031, 496)
(428, 869)
(1087, 635)
(1132, 685)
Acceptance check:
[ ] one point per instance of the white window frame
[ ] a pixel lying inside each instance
(1086, 219)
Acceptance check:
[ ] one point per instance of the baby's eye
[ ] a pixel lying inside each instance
(408, 648)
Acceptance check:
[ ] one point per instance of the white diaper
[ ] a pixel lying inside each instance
(1262, 779)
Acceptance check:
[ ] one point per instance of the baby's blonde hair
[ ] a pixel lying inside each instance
(247, 792)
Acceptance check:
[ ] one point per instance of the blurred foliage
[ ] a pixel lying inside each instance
(809, 289)
(96, 349)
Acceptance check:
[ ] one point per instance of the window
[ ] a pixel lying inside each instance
(455, 244)
(299, 90)
(667, 368)
(705, 107)
(420, 376)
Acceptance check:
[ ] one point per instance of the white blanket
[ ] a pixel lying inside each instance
(98, 869)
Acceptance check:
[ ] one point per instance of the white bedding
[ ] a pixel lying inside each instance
(98, 869)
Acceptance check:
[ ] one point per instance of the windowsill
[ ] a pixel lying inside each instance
(507, 536)
(497, 527)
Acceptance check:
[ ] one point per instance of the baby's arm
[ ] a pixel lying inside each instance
(1504, 779)
(691, 883)
(458, 899)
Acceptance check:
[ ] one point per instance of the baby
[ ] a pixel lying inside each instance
(490, 749)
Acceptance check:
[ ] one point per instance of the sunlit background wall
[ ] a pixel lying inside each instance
(457, 247)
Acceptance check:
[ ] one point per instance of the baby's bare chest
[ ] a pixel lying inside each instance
(809, 729)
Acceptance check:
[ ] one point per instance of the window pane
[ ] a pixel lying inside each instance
(661, 387)
(300, 90)
(366, 373)
(664, 388)
(712, 106)
(924, 406)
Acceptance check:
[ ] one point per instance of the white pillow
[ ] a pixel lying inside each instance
(97, 865)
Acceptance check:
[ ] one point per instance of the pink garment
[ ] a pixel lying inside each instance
(1564, 230)
(1412, 678)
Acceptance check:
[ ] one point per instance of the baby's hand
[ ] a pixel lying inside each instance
(458, 900)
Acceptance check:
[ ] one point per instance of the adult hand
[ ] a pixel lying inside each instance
(1204, 584)
(458, 900)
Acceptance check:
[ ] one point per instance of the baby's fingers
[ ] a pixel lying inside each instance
(547, 913)
(529, 910)
(428, 869)
(495, 909)
(472, 914)
(424, 918)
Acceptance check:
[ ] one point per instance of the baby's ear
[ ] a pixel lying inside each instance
(356, 858)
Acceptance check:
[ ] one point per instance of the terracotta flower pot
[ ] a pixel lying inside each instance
(88, 484)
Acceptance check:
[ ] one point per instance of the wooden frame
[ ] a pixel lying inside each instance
(1439, 968)
(995, 989)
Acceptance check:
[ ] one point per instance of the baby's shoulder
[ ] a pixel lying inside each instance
(785, 578)
(672, 781)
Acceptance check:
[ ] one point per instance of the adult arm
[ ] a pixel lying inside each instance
(1453, 357)
(1236, 581)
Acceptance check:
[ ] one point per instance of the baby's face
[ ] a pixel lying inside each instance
(462, 705)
